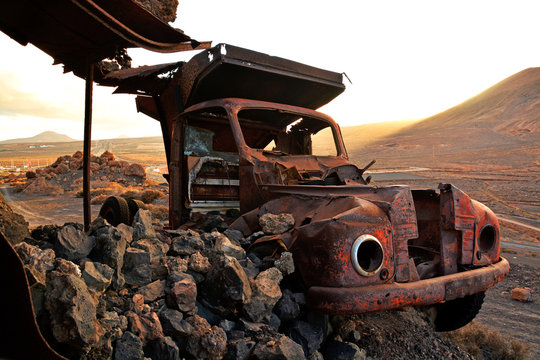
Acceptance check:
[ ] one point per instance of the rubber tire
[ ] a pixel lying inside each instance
(457, 313)
(115, 210)
(134, 206)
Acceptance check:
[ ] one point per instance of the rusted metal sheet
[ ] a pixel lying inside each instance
(467, 219)
(143, 80)
(77, 32)
(349, 301)
(230, 71)
(20, 337)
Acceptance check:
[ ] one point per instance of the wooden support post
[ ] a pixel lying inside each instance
(87, 145)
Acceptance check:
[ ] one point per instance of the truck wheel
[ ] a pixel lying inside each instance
(457, 313)
(134, 206)
(115, 210)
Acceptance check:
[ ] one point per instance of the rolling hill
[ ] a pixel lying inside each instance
(512, 106)
(44, 137)
(500, 126)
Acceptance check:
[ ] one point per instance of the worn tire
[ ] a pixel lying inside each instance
(134, 206)
(115, 210)
(457, 313)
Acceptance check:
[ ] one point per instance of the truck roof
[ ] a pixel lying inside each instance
(230, 71)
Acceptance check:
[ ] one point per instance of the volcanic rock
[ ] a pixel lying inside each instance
(146, 326)
(183, 295)
(129, 347)
(162, 9)
(276, 224)
(35, 260)
(285, 263)
(280, 347)
(240, 349)
(171, 321)
(135, 170)
(226, 285)
(213, 222)
(287, 308)
(61, 169)
(73, 244)
(186, 244)
(235, 236)
(72, 310)
(266, 293)
(199, 263)
(308, 336)
(97, 276)
(343, 351)
(523, 294)
(110, 248)
(12, 225)
(142, 225)
(30, 174)
(164, 349)
(106, 156)
(136, 267)
(227, 247)
(153, 291)
(206, 342)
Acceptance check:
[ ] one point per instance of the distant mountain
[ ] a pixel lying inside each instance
(44, 137)
(500, 125)
(511, 106)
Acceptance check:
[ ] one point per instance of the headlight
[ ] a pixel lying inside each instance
(487, 238)
(367, 255)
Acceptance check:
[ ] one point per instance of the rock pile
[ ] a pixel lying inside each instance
(143, 292)
(109, 177)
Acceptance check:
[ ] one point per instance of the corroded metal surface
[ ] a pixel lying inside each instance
(20, 337)
(348, 301)
(75, 32)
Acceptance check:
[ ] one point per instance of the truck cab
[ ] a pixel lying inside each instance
(241, 131)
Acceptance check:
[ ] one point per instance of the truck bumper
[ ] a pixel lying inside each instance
(349, 301)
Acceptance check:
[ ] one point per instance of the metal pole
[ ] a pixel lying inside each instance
(87, 144)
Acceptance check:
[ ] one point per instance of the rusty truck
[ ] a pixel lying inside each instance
(241, 131)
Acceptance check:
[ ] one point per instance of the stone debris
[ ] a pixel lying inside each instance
(523, 294)
(12, 225)
(109, 177)
(276, 224)
(73, 244)
(141, 292)
(162, 9)
(285, 263)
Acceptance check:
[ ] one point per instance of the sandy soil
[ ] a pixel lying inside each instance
(513, 198)
(513, 318)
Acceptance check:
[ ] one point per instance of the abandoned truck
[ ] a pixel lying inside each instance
(240, 131)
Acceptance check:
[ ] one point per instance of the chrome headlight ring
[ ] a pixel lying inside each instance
(367, 255)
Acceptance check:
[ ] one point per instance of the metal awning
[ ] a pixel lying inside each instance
(81, 33)
(78, 32)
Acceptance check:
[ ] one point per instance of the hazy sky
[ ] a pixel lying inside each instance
(406, 59)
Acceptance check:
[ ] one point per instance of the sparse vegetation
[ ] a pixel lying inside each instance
(486, 344)
(150, 195)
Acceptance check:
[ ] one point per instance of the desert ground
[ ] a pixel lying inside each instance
(511, 191)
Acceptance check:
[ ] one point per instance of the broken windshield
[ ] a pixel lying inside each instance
(278, 132)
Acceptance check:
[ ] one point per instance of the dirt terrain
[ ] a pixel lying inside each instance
(477, 146)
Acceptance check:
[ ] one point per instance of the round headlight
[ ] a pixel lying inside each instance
(367, 255)
(487, 238)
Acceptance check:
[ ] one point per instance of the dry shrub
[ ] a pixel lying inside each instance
(130, 194)
(150, 195)
(158, 212)
(99, 199)
(150, 182)
(483, 343)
